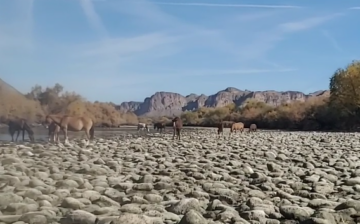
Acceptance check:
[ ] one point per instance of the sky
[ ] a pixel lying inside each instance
(126, 50)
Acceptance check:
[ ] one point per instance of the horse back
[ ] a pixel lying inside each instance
(16, 124)
(76, 123)
(54, 117)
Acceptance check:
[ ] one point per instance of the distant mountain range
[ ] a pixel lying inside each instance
(169, 104)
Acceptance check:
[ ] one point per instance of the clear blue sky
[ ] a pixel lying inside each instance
(120, 50)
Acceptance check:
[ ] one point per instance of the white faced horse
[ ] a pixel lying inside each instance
(143, 127)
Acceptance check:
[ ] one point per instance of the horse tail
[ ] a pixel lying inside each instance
(92, 131)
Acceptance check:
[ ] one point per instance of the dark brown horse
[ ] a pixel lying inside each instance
(20, 125)
(54, 130)
(237, 127)
(177, 126)
(159, 126)
(72, 123)
(224, 124)
(253, 128)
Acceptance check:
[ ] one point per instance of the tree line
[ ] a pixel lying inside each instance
(338, 111)
(39, 102)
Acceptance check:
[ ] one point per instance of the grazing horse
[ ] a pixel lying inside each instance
(54, 130)
(224, 124)
(177, 126)
(253, 128)
(237, 127)
(20, 125)
(159, 126)
(72, 123)
(143, 127)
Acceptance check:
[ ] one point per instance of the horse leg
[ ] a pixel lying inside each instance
(18, 133)
(23, 134)
(87, 132)
(178, 133)
(64, 129)
(56, 136)
(173, 134)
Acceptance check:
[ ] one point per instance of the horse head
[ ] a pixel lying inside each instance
(48, 120)
(31, 136)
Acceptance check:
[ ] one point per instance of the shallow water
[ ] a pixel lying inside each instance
(41, 133)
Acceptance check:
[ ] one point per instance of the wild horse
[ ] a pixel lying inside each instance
(159, 126)
(223, 124)
(20, 125)
(143, 126)
(177, 126)
(72, 123)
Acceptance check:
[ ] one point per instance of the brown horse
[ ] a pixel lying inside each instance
(253, 128)
(159, 126)
(20, 125)
(72, 123)
(177, 126)
(224, 124)
(237, 127)
(54, 130)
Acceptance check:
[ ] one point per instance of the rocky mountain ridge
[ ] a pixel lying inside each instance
(170, 104)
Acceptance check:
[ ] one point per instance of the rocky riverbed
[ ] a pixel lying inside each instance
(264, 177)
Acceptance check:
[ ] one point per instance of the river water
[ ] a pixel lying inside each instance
(41, 133)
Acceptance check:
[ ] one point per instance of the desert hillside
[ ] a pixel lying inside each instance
(169, 104)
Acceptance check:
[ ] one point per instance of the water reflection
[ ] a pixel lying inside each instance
(41, 133)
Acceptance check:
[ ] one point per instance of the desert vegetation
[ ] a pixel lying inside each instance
(53, 100)
(338, 111)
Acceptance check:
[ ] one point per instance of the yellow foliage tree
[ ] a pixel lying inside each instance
(345, 89)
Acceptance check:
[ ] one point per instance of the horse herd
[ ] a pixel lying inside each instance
(56, 123)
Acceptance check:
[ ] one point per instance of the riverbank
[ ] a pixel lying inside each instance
(270, 177)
